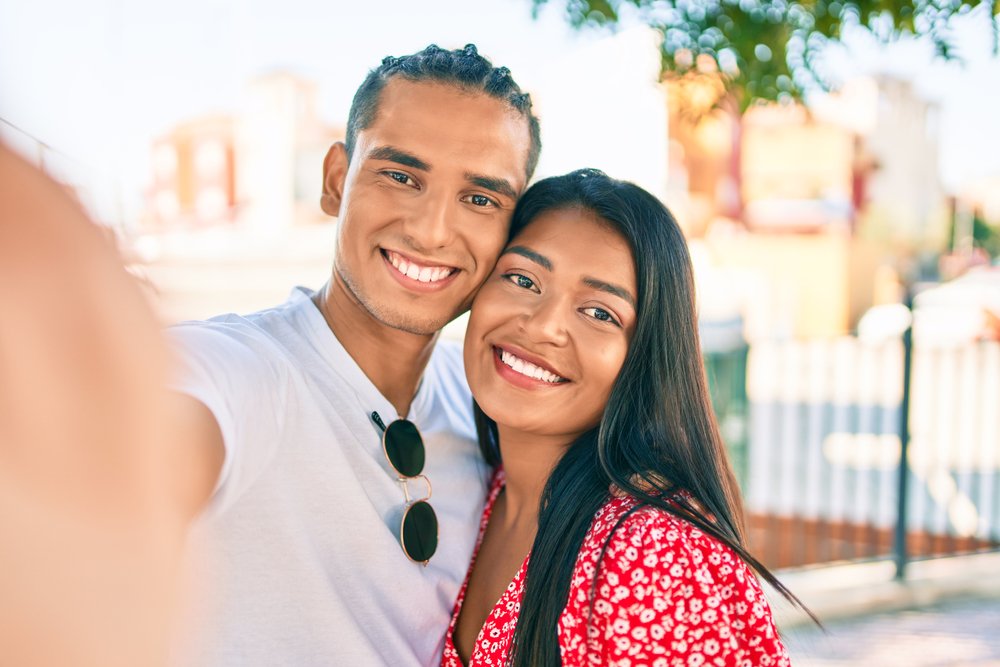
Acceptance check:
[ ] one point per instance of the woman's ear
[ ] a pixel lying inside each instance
(335, 166)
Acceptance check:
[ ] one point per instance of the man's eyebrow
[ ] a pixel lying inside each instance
(393, 154)
(617, 291)
(500, 186)
(541, 260)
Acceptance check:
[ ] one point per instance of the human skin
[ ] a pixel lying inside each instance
(432, 181)
(561, 298)
(91, 530)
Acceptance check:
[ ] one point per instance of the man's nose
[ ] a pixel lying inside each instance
(432, 225)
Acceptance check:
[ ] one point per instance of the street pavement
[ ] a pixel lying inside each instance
(956, 633)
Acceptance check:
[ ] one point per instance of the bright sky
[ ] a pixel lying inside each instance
(99, 79)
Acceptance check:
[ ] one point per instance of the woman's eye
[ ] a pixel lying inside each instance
(601, 315)
(521, 281)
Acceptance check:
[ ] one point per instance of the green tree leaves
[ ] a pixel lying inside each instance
(767, 49)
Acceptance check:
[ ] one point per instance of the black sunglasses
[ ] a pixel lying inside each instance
(404, 448)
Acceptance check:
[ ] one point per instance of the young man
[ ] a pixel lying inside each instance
(307, 551)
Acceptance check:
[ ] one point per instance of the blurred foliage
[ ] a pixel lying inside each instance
(767, 49)
(985, 235)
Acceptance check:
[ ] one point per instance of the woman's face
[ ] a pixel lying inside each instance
(550, 328)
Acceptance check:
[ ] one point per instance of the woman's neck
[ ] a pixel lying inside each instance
(528, 460)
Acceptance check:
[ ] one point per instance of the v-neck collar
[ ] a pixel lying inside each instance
(343, 364)
(511, 594)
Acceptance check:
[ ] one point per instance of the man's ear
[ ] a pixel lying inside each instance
(334, 176)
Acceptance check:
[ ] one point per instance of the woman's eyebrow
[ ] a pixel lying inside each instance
(610, 288)
(535, 257)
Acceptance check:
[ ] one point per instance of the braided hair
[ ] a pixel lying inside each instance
(463, 68)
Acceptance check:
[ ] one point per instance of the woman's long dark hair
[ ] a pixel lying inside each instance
(658, 434)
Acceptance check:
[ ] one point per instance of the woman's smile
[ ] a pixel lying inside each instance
(518, 369)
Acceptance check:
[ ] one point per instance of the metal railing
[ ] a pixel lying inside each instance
(822, 455)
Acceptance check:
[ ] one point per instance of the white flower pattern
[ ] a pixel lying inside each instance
(667, 595)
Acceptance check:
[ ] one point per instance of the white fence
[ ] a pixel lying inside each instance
(824, 434)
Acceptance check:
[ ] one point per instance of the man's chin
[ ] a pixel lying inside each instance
(413, 323)
(416, 320)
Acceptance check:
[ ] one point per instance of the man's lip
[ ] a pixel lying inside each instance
(387, 252)
(413, 283)
(530, 358)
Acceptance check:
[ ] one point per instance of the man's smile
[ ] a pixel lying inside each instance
(421, 272)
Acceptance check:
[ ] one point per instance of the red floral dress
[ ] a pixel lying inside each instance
(667, 595)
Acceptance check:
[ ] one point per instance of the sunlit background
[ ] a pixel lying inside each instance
(196, 131)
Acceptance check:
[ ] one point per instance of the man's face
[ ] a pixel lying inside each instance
(425, 204)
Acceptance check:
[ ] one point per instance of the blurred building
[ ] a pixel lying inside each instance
(809, 205)
(281, 143)
(194, 179)
(259, 169)
(796, 171)
(234, 218)
(906, 198)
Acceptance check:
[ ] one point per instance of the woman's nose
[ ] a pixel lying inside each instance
(546, 322)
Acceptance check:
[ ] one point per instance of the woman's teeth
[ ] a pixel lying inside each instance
(527, 368)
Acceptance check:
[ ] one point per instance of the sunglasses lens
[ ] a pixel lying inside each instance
(420, 532)
(405, 448)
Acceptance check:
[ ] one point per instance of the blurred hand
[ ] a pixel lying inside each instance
(90, 528)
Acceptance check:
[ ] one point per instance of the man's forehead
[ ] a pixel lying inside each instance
(445, 126)
(405, 102)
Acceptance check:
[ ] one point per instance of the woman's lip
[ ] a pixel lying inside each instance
(520, 380)
(530, 358)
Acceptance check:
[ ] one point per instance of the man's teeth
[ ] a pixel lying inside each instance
(527, 368)
(425, 274)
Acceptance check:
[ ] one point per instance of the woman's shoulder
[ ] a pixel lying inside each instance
(649, 584)
(623, 524)
(654, 553)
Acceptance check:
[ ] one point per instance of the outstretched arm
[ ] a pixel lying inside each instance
(99, 467)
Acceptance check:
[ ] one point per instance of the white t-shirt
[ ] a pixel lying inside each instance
(296, 561)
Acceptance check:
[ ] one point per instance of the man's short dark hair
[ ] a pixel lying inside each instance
(463, 68)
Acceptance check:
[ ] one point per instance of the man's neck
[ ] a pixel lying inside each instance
(394, 360)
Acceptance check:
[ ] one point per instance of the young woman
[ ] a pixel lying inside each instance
(613, 532)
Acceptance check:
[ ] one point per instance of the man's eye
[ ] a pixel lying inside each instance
(521, 281)
(482, 201)
(601, 315)
(399, 177)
